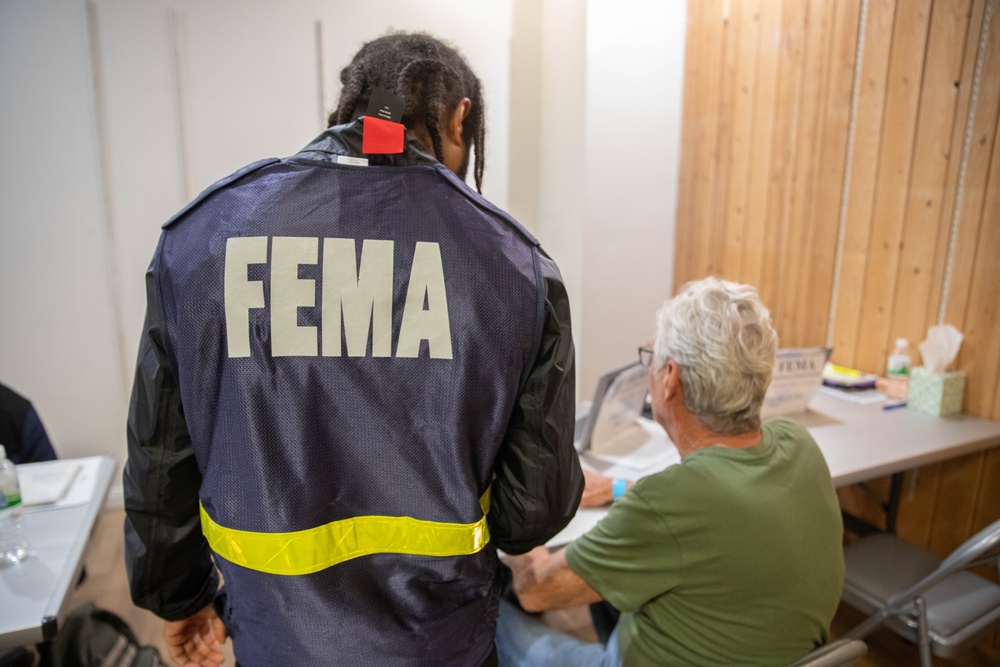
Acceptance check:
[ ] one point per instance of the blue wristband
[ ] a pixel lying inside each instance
(618, 488)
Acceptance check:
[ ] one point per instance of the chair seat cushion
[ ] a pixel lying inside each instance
(880, 566)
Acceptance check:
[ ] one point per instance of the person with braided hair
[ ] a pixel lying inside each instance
(355, 385)
(436, 84)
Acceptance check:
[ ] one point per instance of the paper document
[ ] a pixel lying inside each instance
(796, 377)
(47, 482)
(861, 397)
(81, 487)
(642, 447)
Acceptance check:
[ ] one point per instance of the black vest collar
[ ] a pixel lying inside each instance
(346, 140)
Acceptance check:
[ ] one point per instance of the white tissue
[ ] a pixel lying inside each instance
(940, 348)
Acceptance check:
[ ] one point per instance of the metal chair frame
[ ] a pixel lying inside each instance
(841, 653)
(910, 605)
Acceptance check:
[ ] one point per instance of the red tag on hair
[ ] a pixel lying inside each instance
(382, 136)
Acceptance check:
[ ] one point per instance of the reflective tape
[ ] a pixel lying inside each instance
(315, 549)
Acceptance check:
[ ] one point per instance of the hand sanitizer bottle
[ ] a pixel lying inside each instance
(898, 371)
(13, 543)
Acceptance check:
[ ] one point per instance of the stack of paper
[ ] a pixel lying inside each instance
(847, 378)
(46, 483)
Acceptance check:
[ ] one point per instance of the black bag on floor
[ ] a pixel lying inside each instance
(93, 637)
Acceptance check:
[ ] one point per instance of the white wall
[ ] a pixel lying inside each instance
(116, 113)
(595, 152)
(548, 142)
(59, 339)
(634, 97)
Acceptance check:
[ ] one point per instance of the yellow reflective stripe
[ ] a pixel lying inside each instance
(315, 549)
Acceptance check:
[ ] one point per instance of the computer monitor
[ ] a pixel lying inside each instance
(618, 400)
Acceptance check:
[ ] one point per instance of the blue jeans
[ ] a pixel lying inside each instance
(523, 641)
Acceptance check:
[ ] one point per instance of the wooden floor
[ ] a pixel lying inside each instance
(106, 586)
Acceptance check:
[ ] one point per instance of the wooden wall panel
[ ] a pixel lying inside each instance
(917, 504)
(951, 191)
(769, 49)
(989, 492)
(955, 504)
(787, 111)
(744, 74)
(995, 415)
(917, 511)
(813, 302)
(861, 198)
(909, 41)
(707, 123)
(775, 155)
(925, 235)
(731, 26)
(977, 170)
(797, 227)
(692, 107)
(980, 356)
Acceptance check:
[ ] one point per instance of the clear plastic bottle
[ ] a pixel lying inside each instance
(13, 541)
(897, 384)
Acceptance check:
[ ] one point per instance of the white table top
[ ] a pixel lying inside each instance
(35, 591)
(862, 442)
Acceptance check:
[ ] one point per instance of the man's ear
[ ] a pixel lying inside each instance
(462, 110)
(671, 379)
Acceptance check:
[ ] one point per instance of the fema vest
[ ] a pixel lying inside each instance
(349, 344)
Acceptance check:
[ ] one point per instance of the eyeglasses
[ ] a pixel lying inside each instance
(645, 357)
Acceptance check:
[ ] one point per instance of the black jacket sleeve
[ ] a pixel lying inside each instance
(169, 563)
(538, 481)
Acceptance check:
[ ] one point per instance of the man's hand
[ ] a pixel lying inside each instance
(196, 641)
(543, 581)
(524, 568)
(596, 490)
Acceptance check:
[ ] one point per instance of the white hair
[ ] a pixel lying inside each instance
(720, 335)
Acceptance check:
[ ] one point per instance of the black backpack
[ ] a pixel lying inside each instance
(93, 637)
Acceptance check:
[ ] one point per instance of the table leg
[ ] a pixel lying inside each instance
(44, 653)
(890, 506)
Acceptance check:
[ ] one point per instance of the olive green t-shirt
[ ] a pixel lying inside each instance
(731, 557)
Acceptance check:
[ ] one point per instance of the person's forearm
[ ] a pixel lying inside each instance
(544, 581)
(599, 490)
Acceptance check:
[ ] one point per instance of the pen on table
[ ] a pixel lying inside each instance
(893, 406)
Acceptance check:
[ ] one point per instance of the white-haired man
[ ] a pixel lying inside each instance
(732, 556)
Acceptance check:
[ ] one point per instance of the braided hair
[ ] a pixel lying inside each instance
(431, 76)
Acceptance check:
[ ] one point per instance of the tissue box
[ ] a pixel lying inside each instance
(936, 393)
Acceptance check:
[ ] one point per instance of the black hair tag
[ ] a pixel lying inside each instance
(385, 105)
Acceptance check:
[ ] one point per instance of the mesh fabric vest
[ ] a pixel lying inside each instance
(317, 423)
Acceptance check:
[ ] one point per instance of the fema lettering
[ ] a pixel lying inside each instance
(789, 365)
(357, 300)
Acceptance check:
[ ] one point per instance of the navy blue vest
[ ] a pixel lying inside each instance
(309, 402)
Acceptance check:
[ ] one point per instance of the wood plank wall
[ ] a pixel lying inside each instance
(769, 176)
